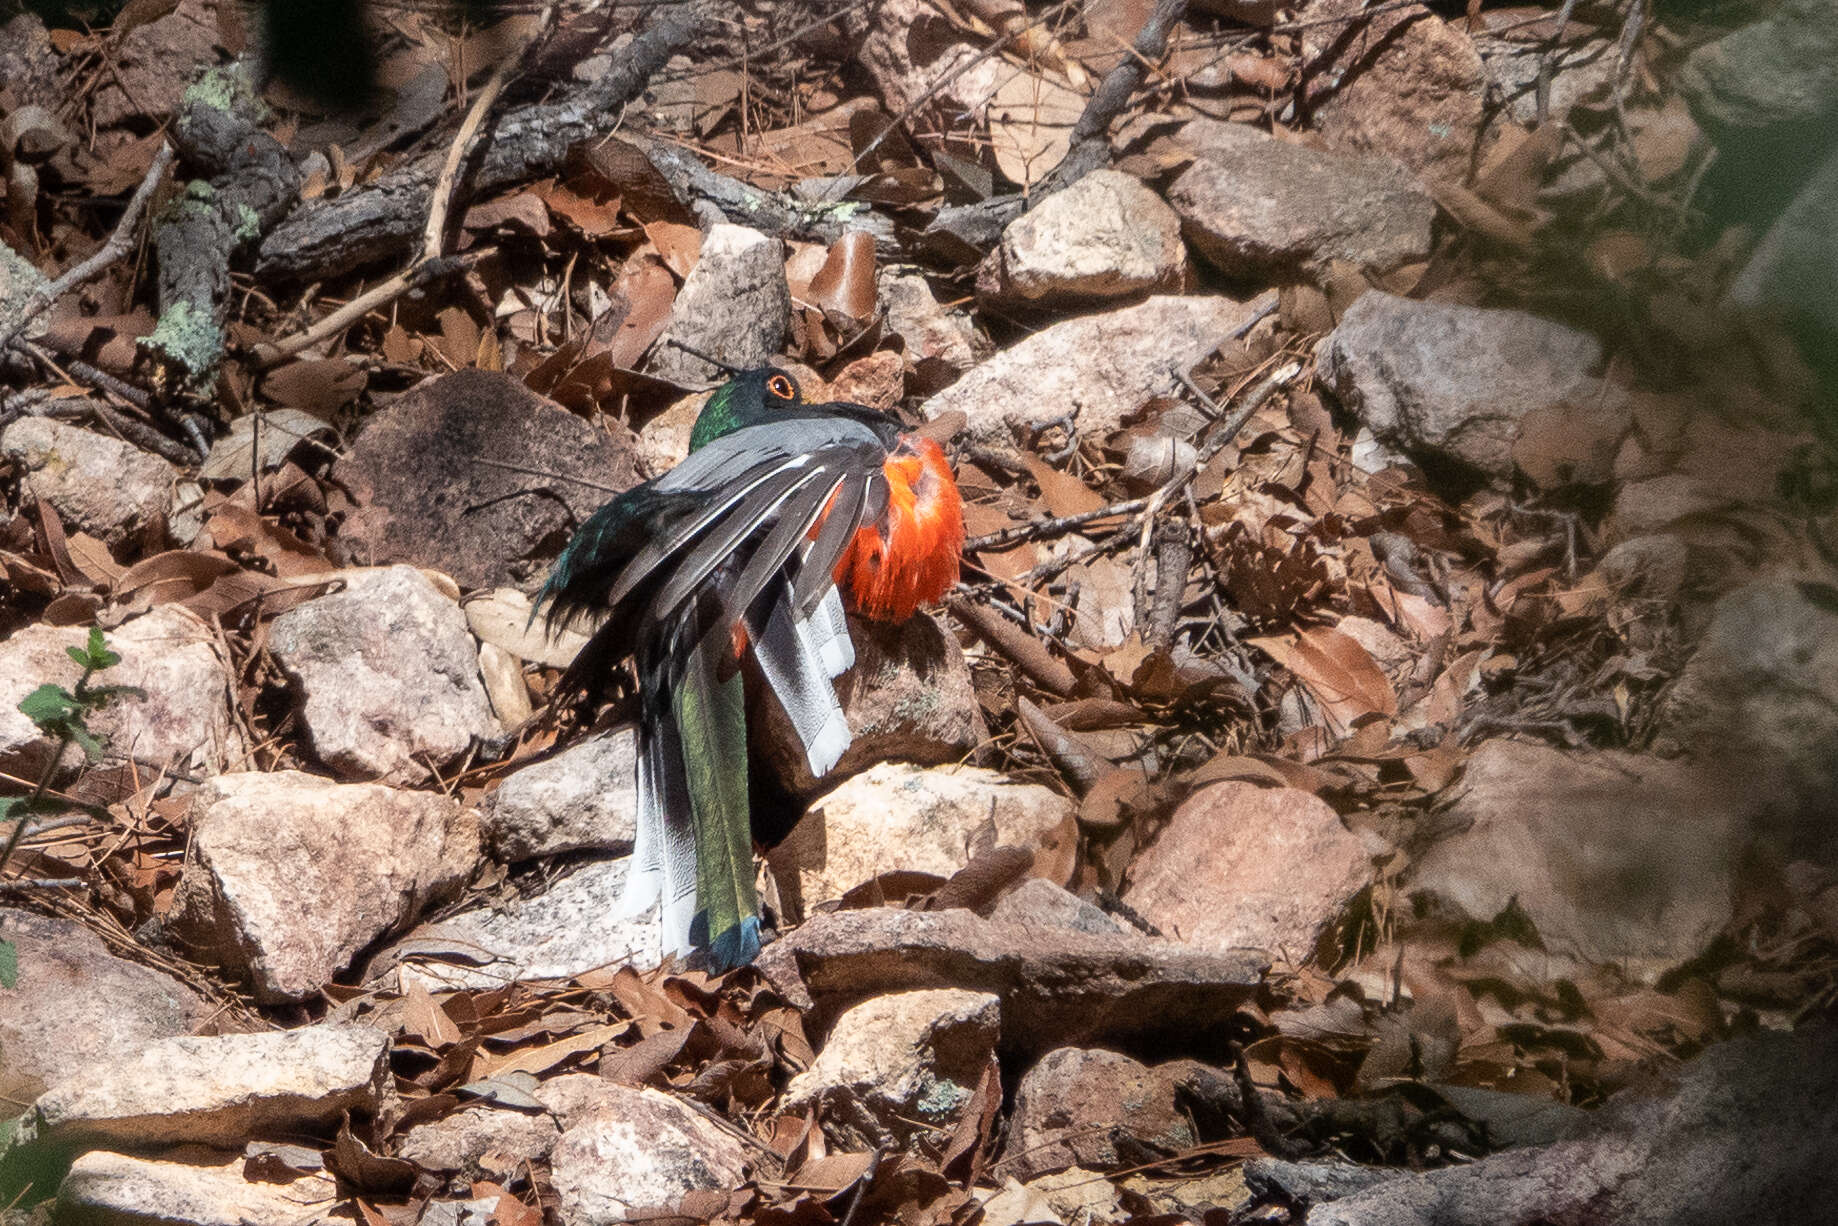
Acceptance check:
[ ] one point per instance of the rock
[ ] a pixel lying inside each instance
(1057, 986)
(28, 65)
(585, 797)
(153, 65)
(1779, 73)
(1759, 696)
(734, 306)
(1644, 508)
(505, 689)
(915, 819)
(1242, 866)
(424, 499)
(190, 1188)
(877, 380)
(908, 698)
(1308, 1183)
(1615, 858)
(1100, 368)
(1079, 1195)
(571, 927)
(1789, 272)
(638, 1155)
(100, 485)
(940, 344)
(480, 1142)
(1403, 83)
(182, 722)
(222, 1090)
(387, 675)
(664, 440)
(501, 618)
(1096, 1109)
(1259, 207)
(1106, 236)
(75, 1005)
(1581, 68)
(1040, 903)
(1747, 1124)
(921, 66)
(900, 1067)
(288, 875)
(1453, 380)
(19, 279)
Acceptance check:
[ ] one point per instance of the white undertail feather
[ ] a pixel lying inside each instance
(828, 630)
(791, 656)
(663, 864)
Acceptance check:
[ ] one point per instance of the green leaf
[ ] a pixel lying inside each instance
(9, 965)
(92, 748)
(95, 655)
(49, 704)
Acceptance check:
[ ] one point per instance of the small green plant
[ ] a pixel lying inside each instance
(61, 714)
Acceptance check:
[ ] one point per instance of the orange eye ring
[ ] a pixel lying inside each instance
(782, 387)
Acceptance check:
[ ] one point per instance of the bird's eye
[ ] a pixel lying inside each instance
(782, 387)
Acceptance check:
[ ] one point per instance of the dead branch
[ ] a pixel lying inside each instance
(383, 220)
(116, 248)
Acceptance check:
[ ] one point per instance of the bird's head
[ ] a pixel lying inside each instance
(767, 396)
(751, 398)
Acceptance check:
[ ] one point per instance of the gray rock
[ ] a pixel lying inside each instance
(1096, 1109)
(28, 65)
(1041, 903)
(1100, 369)
(1106, 236)
(734, 305)
(899, 1067)
(100, 485)
(1453, 380)
(585, 797)
(1242, 866)
(1404, 83)
(1256, 206)
(1793, 272)
(190, 1187)
(19, 277)
(480, 1142)
(1615, 858)
(182, 720)
(918, 819)
(76, 1004)
(1057, 986)
(941, 344)
(1580, 68)
(1773, 74)
(222, 1089)
(387, 675)
(423, 497)
(1743, 1133)
(908, 698)
(1759, 697)
(637, 1155)
(572, 926)
(287, 875)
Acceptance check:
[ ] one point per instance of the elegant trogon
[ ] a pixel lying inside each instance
(782, 511)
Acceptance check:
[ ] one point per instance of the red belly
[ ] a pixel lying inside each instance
(910, 558)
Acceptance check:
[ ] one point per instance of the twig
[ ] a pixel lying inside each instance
(1547, 62)
(119, 244)
(433, 238)
(1018, 645)
(1088, 147)
(381, 294)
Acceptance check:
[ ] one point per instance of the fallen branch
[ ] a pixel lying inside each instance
(119, 244)
(383, 220)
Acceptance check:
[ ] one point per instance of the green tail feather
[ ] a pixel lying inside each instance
(711, 717)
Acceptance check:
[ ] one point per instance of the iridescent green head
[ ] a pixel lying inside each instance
(750, 398)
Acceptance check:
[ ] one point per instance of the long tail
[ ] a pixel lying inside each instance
(798, 658)
(711, 718)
